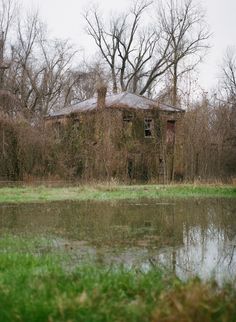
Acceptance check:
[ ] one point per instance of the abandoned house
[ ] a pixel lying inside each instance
(124, 136)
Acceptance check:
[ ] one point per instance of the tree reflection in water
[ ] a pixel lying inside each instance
(186, 236)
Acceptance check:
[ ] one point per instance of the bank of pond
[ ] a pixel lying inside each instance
(22, 193)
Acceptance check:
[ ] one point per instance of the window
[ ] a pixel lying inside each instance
(170, 132)
(57, 128)
(130, 168)
(148, 127)
(128, 123)
(76, 123)
(128, 117)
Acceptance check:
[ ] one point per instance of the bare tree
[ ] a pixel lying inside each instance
(107, 41)
(184, 24)
(229, 75)
(8, 11)
(28, 31)
(39, 68)
(136, 56)
(56, 68)
(81, 84)
(228, 91)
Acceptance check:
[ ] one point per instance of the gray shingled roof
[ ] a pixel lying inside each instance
(124, 99)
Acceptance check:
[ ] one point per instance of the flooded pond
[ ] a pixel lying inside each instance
(188, 237)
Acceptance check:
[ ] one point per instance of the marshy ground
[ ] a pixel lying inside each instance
(118, 253)
(112, 192)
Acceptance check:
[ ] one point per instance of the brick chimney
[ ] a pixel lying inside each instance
(101, 96)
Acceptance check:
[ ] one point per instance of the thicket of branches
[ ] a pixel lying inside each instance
(150, 44)
(210, 141)
(139, 55)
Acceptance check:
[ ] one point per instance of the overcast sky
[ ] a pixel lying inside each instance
(64, 19)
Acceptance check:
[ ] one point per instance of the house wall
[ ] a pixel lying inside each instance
(172, 152)
(112, 144)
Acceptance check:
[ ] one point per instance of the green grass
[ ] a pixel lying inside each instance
(36, 287)
(113, 192)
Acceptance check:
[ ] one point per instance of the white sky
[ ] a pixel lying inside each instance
(64, 20)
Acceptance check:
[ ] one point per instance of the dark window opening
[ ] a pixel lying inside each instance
(76, 120)
(170, 132)
(76, 123)
(80, 168)
(158, 131)
(130, 168)
(148, 127)
(57, 128)
(128, 117)
(144, 173)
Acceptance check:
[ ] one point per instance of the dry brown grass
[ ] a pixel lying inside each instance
(194, 302)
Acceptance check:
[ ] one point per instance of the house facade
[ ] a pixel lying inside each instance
(125, 136)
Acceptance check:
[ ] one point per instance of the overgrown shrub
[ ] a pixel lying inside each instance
(25, 150)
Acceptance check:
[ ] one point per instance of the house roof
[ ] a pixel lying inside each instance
(124, 99)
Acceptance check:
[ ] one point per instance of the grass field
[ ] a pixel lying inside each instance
(113, 192)
(36, 287)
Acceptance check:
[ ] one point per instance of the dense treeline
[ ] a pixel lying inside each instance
(210, 141)
(39, 74)
(33, 152)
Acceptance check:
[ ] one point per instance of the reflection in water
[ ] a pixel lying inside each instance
(187, 236)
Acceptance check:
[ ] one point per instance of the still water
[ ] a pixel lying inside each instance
(189, 237)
